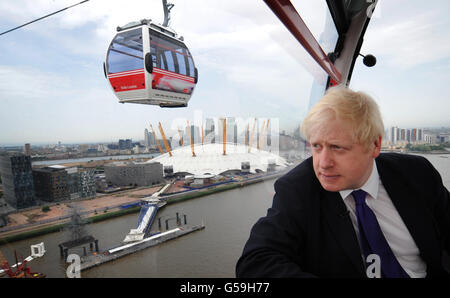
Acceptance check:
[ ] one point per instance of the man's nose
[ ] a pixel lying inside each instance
(326, 158)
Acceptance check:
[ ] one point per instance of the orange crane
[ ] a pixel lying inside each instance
(156, 140)
(21, 270)
(251, 137)
(263, 134)
(224, 136)
(166, 144)
(192, 139)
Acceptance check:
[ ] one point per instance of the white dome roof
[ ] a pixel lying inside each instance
(209, 159)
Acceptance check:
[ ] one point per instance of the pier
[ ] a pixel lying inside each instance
(121, 251)
(64, 247)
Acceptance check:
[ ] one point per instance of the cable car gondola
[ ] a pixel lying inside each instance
(148, 63)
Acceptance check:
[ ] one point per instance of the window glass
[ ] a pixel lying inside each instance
(191, 67)
(125, 52)
(153, 53)
(181, 63)
(170, 61)
(250, 71)
(317, 17)
(171, 55)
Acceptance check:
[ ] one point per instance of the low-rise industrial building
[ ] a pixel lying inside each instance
(134, 173)
(59, 183)
(209, 159)
(50, 184)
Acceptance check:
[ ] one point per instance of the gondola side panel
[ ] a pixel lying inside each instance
(128, 80)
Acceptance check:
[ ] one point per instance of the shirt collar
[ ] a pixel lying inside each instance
(370, 187)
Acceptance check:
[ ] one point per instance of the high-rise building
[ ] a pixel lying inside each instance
(86, 183)
(413, 135)
(73, 182)
(146, 138)
(210, 131)
(196, 135)
(125, 144)
(27, 149)
(17, 179)
(429, 138)
(231, 130)
(393, 135)
(51, 183)
(134, 173)
(420, 134)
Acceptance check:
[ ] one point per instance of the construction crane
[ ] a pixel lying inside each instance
(21, 270)
(251, 137)
(156, 140)
(192, 139)
(166, 144)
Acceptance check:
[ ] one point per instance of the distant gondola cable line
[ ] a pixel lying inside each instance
(53, 13)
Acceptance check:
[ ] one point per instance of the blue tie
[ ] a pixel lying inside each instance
(372, 238)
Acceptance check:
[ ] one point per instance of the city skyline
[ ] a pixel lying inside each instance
(175, 137)
(52, 86)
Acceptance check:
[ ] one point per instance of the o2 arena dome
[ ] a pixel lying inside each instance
(210, 159)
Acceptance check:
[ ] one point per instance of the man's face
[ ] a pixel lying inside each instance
(339, 161)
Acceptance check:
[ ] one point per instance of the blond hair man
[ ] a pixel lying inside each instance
(349, 210)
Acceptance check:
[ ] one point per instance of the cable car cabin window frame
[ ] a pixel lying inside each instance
(190, 64)
(120, 52)
(160, 44)
(182, 67)
(171, 62)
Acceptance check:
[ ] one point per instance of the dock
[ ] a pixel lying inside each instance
(123, 250)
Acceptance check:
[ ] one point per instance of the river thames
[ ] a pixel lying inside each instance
(211, 252)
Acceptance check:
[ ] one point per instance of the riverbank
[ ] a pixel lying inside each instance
(431, 152)
(127, 206)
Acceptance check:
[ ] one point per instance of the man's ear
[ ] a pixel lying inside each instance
(377, 147)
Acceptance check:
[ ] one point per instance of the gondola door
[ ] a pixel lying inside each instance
(173, 70)
(125, 65)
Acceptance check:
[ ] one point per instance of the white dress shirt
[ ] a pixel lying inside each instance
(391, 224)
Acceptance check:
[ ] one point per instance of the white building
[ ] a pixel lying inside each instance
(209, 159)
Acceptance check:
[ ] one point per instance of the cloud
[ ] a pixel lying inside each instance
(409, 42)
(248, 62)
(28, 83)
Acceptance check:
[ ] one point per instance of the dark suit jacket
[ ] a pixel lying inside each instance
(307, 232)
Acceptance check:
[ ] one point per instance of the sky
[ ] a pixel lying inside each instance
(52, 86)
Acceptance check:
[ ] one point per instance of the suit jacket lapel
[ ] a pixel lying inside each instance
(413, 212)
(340, 224)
